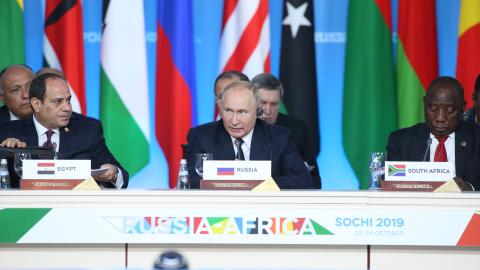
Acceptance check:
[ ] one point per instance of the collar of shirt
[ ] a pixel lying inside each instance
(42, 137)
(449, 147)
(247, 142)
(13, 117)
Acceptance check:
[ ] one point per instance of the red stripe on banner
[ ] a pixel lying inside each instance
(66, 38)
(468, 66)
(386, 11)
(266, 64)
(471, 235)
(228, 9)
(45, 164)
(418, 33)
(173, 106)
(249, 40)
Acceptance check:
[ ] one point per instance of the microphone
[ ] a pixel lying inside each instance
(429, 142)
(268, 140)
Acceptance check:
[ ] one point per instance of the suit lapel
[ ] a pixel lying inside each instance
(258, 148)
(421, 144)
(31, 133)
(225, 151)
(65, 141)
(463, 146)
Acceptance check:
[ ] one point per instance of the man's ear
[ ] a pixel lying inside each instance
(35, 102)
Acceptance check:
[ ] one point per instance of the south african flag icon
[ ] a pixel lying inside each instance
(396, 170)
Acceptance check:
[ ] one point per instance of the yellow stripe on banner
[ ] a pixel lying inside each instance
(20, 4)
(469, 15)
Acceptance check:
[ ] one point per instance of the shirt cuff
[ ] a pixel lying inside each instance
(119, 183)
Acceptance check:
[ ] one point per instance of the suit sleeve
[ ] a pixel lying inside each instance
(293, 172)
(194, 147)
(102, 155)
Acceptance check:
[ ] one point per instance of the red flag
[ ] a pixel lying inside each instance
(468, 66)
(63, 46)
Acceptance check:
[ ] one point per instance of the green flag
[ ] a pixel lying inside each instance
(11, 33)
(369, 104)
(124, 97)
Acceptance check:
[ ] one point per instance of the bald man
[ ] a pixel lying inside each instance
(14, 83)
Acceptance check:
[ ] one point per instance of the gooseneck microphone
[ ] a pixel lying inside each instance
(429, 142)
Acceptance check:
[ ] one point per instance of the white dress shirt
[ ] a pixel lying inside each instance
(13, 117)
(247, 142)
(449, 147)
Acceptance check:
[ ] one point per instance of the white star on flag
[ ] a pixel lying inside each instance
(296, 18)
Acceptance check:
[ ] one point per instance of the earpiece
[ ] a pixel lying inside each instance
(259, 111)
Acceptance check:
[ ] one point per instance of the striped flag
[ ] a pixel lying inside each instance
(124, 89)
(417, 63)
(175, 83)
(245, 39)
(369, 95)
(11, 33)
(63, 46)
(468, 66)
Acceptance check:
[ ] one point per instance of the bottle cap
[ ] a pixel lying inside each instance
(4, 161)
(183, 161)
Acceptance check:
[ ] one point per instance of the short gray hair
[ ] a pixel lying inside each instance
(267, 81)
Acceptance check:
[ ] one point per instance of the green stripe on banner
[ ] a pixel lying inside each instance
(16, 222)
(320, 230)
(410, 92)
(123, 135)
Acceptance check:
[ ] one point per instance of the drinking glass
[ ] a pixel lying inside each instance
(377, 170)
(199, 162)
(18, 162)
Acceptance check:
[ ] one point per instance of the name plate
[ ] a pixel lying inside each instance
(419, 171)
(236, 170)
(56, 169)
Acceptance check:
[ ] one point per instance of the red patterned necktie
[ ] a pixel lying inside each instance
(48, 143)
(441, 152)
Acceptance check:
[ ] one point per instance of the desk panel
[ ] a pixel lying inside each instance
(280, 250)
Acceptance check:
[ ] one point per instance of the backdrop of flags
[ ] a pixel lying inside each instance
(245, 38)
(245, 43)
(11, 33)
(369, 104)
(417, 61)
(124, 109)
(297, 66)
(468, 66)
(63, 46)
(175, 84)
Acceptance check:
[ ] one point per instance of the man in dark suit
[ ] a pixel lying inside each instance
(270, 90)
(451, 139)
(240, 135)
(52, 125)
(473, 115)
(14, 83)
